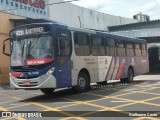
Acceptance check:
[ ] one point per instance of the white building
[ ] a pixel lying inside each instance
(76, 16)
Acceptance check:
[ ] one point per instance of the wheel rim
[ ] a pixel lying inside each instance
(81, 82)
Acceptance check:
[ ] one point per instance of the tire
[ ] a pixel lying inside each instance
(83, 83)
(47, 91)
(130, 76)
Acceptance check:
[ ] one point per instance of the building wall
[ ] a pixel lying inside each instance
(5, 26)
(30, 9)
(76, 16)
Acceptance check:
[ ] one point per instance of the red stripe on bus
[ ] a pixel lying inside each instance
(120, 70)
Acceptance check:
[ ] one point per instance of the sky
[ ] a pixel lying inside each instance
(123, 8)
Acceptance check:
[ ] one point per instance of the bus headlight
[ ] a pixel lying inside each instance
(50, 71)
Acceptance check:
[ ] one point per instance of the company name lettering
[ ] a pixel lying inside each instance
(29, 31)
(33, 3)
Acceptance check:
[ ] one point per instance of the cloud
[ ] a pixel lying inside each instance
(124, 8)
(92, 4)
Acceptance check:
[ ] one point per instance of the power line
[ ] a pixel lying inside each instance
(45, 5)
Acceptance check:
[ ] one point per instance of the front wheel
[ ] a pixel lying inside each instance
(83, 83)
(48, 91)
(130, 76)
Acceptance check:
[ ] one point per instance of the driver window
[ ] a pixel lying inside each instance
(64, 46)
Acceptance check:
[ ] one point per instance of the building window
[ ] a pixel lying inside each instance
(7, 2)
(16, 4)
(11, 3)
(21, 7)
(33, 10)
(25, 7)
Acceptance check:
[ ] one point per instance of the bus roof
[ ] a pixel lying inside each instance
(97, 32)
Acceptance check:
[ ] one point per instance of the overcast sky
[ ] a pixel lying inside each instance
(124, 8)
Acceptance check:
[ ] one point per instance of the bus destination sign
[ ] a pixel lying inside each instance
(29, 31)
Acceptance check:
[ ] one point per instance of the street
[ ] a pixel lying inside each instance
(140, 96)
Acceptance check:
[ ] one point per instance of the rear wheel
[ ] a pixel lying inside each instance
(130, 76)
(83, 83)
(48, 91)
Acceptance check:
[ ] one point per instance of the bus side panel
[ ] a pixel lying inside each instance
(84, 62)
(63, 75)
(141, 65)
(104, 63)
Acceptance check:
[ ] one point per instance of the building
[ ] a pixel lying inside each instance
(80, 17)
(14, 13)
(142, 17)
(146, 30)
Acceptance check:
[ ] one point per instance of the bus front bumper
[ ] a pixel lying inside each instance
(34, 83)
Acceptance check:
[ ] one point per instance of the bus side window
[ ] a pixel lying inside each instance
(120, 48)
(64, 46)
(144, 50)
(82, 44)
(138, 51)
(106, 46)
(112, 47)
(129, 49)
(98, 45)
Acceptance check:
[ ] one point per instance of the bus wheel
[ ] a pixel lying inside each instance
(83, 83)
(48, 91)
(130, 76)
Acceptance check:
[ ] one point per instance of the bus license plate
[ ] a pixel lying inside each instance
(27, 83)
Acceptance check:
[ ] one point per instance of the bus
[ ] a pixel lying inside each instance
(154, 57)
(49, 56)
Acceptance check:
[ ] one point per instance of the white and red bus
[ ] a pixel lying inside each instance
(48, 56)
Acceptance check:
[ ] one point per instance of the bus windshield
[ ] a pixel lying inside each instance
(32, 51)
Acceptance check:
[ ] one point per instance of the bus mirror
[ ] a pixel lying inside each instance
(4, 47)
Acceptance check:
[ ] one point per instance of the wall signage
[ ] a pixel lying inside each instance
(33, 3)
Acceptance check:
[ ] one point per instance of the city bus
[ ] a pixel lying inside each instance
(154, 57)
(49, 56)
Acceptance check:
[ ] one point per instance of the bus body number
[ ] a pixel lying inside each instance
(19, 33)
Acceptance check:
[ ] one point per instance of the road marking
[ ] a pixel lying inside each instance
(4, 109)
(78, 118)
(118, 101)
(8, 102)
(146, 118)
(22, 105)
(44, 106)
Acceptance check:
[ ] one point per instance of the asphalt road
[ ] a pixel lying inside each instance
(114, 100)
